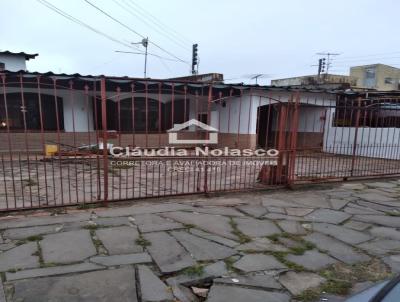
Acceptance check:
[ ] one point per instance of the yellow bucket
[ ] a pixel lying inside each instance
(51, 149)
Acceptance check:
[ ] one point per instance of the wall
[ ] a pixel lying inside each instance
(82, 112)
(13, 62)
(381, 73)
(371, 142)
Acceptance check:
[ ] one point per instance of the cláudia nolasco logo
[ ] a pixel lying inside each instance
(212, 133)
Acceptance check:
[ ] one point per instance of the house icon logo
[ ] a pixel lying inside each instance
(212, 133)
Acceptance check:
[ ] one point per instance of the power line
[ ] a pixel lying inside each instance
(150, 54)
(127, 7)
(162, 24)
(134, 31)
(81, 23)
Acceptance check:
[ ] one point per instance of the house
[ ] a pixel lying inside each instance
(67, 107)
(67, 110)
(376, 76)
(312, 80)
(14, 61)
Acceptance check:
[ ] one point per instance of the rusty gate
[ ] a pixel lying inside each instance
(72, 139)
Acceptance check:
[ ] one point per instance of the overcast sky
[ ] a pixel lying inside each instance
(237, 38)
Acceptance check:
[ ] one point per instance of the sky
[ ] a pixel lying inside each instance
(237, 38)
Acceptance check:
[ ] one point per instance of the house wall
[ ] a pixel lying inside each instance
(13, 62)
(371, 142)
(238, 118)
(382, 74)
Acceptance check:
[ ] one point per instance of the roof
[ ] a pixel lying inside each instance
(125, 82)
(373, 65)
(27, 55)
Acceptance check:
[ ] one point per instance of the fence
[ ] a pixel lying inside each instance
(57, 134)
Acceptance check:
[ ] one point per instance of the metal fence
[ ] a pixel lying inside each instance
(57, 134)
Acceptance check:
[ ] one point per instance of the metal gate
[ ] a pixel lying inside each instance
(59, 134)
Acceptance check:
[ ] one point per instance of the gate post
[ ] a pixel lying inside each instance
(353, 157)
(281, 143)
(293, 140)
(207, 136)
(105, 136)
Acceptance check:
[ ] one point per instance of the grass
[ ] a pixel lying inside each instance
(34, 238)
(281, 256)
(229, 264)
(392, 213)
(243, 238)
(189, 225)
(300, 249)
(309, 295)
(91, 227)
(336, 287)
(96, 242)
(142, 241)
(195, 270)
(274, 237)
(340, 278)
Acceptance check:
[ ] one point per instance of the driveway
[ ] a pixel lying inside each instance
(316, 244)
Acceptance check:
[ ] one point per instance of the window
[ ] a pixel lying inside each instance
(31, 111)
(389, 81)
(2, 66)
(122, 117)
(370, 73)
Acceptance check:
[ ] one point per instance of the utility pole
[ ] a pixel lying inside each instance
(328, 56)
(145, 44)
(195, 58)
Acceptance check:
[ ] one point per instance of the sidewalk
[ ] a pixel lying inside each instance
(276, 246)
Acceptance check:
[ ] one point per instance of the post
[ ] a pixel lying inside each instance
(105, 136)
(293, 140)
(353, 157)
(145, 44)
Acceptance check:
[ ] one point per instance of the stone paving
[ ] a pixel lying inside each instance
(320, 243)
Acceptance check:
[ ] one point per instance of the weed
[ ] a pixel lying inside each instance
(274, 237)
(243, 238)
(91, 227)
(393, 213)
(229, 264)
(281, 256)
(336, 287)
(34, 238)
(189, 225)
(142, 241)
(195, 270)
(309, 295)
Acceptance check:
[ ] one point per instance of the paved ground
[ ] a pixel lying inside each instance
(35, 183)
(306, 245)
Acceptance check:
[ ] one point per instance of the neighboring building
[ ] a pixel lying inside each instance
(14, 61)
(312, 80)
(204, 78)
(376, 76)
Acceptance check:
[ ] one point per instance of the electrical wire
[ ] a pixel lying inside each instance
(127, 7)
(81, 23)
(161, 24)
(134, 31)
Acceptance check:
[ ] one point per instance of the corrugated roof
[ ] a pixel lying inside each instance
(27, 55)
(125, 80)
